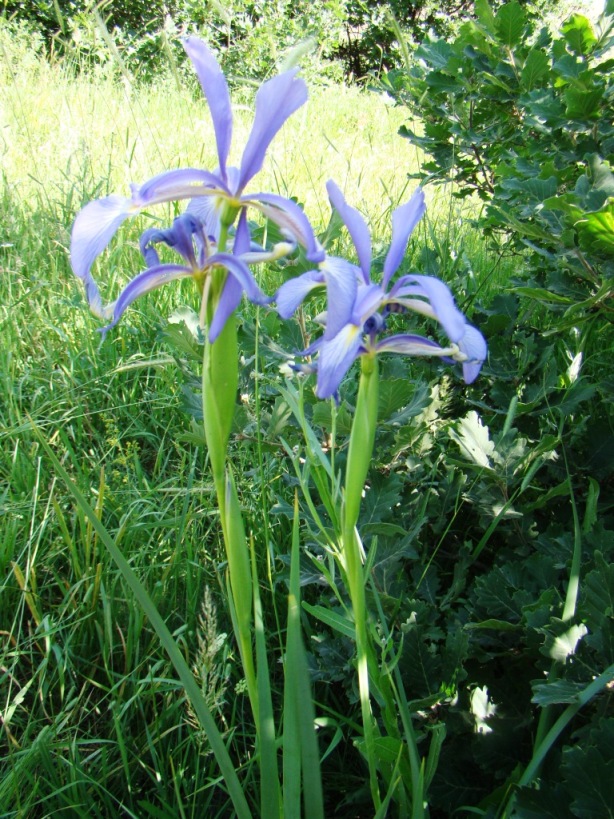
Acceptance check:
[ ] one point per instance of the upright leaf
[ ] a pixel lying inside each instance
(579, 34)
(535, 69)
(510, 21)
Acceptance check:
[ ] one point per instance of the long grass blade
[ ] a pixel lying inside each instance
(183, 671)
(270, 797)
(302, 752)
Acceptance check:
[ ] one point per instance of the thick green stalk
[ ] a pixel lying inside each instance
(220, 380)
(220, 384)
(360, 451)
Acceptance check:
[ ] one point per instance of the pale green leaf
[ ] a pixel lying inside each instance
(493, 624)
(579, 34)
(565, 644)
(473, 439)
(485, 15)
(597, 229)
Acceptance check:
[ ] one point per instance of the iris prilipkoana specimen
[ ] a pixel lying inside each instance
(356, 316)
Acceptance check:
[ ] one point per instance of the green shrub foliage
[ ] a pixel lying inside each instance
(522, 120)
(525, 121)
(351, 37)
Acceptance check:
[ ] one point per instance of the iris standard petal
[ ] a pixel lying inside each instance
(404, 220)
(276, 100)
(242, 242)
(341, 287)
(295, 291)
(356, 226)
(144, 283)
(180, 237)
(206, 210)
(92, 231)
(368, 300)
(215, 89)
(290, 217)
(335, 359)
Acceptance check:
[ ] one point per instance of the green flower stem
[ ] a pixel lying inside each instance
(361, 443)
(220, 381)
(241, 587)
(360, 451)
(362, 439)
(220, 384)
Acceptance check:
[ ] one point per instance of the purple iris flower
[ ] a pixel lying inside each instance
(189, 238)
(217, 196)
(355, 320)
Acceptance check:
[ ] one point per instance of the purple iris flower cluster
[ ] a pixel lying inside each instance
(216, 199)
(204, 237)
(358, 307)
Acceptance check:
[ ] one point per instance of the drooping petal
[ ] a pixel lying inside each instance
(356, 226)
(404, 220)
(440, 303)
(146, 245)
(243, 274)
(410, 345)
(295, 291)
(92, 231)
(335, 359)
(97, 223)
(143, 283)
(228, 303)
(341, 287)
(473, 345)
(290, 217)
(215, 89)
(182, 183)
(242, 280)
(276, 100)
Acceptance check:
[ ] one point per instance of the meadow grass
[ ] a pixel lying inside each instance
(93, 716)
